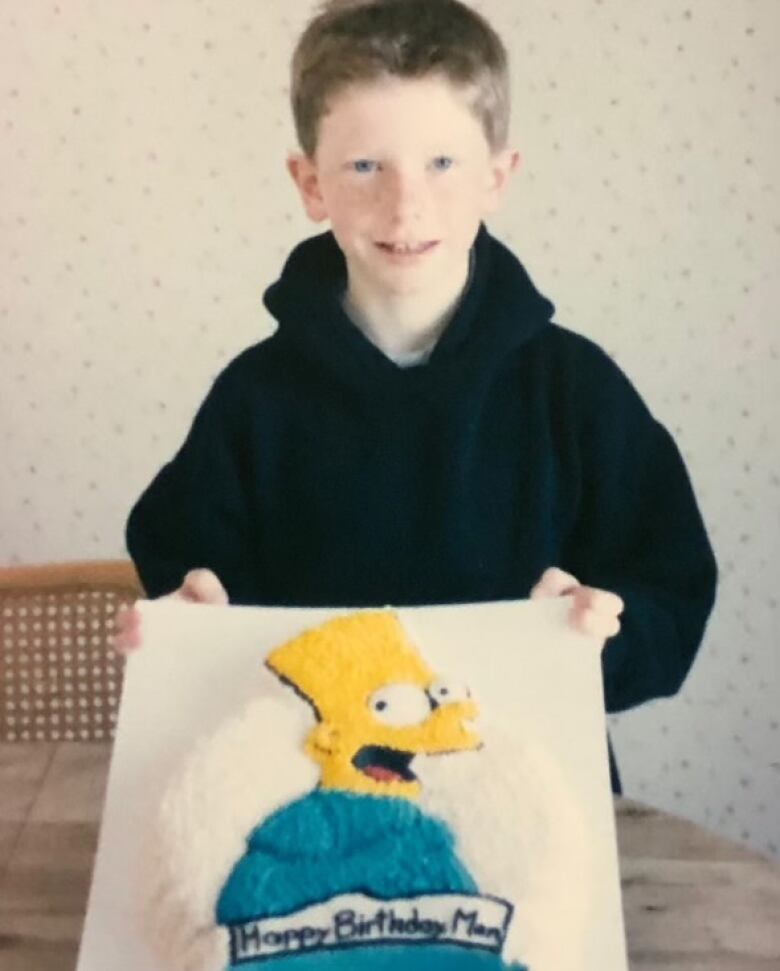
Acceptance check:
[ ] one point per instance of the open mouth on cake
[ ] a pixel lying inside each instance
(384, 764)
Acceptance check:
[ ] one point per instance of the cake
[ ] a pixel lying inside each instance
(358, 818)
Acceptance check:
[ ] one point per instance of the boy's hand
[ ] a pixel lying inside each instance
(199, 586)
(595, 612)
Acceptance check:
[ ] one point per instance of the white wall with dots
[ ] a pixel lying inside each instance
(144, 207)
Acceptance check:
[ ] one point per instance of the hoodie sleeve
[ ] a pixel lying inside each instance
(195, 513)
(639, 533)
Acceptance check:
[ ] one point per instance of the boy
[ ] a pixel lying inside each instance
(417, 430)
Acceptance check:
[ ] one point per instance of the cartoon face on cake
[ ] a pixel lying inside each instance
(376, 702)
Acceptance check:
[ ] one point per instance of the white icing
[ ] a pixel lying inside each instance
(521, 835)
(251, 766)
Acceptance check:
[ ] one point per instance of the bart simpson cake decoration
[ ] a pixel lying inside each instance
(376, 702)
(355, 863)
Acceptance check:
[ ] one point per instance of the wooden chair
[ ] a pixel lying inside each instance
(59, 678)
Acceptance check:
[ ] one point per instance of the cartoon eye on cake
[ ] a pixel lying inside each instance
(444, 692)
(400, 704)
(377, 703)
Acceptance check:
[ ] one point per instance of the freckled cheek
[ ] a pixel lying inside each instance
(455, 195)
(352, 205)
(458, 207)
(346, 216)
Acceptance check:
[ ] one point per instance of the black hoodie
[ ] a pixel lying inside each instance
(318, 472)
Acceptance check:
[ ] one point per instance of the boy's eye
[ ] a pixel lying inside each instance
(364, 165)
(442, 162)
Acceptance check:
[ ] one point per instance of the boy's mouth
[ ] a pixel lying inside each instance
(407, 249)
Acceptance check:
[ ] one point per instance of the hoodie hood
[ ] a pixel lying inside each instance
(499, 311)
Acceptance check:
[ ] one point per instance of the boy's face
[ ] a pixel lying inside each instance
(404, 173)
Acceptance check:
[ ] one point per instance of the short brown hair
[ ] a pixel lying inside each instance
(353, 41)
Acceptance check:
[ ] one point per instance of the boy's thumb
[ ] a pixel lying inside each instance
(203, 586)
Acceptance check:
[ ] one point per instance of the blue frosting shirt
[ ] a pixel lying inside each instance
(331, 842)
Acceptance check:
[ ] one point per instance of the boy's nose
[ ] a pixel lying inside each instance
(403, 196)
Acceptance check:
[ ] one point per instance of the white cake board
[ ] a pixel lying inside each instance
(201, 664)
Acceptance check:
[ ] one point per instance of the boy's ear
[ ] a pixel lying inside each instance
(303, 171)
(502, 165)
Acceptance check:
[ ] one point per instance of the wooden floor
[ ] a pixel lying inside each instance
(692, 900)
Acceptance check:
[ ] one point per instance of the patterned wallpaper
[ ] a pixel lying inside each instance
(144, 206)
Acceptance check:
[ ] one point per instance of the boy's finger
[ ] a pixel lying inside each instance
(554, 582)
(127, 642)
(594, 623)
(600, 601)
(203, 586)
(126, 618)
(127, 629)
